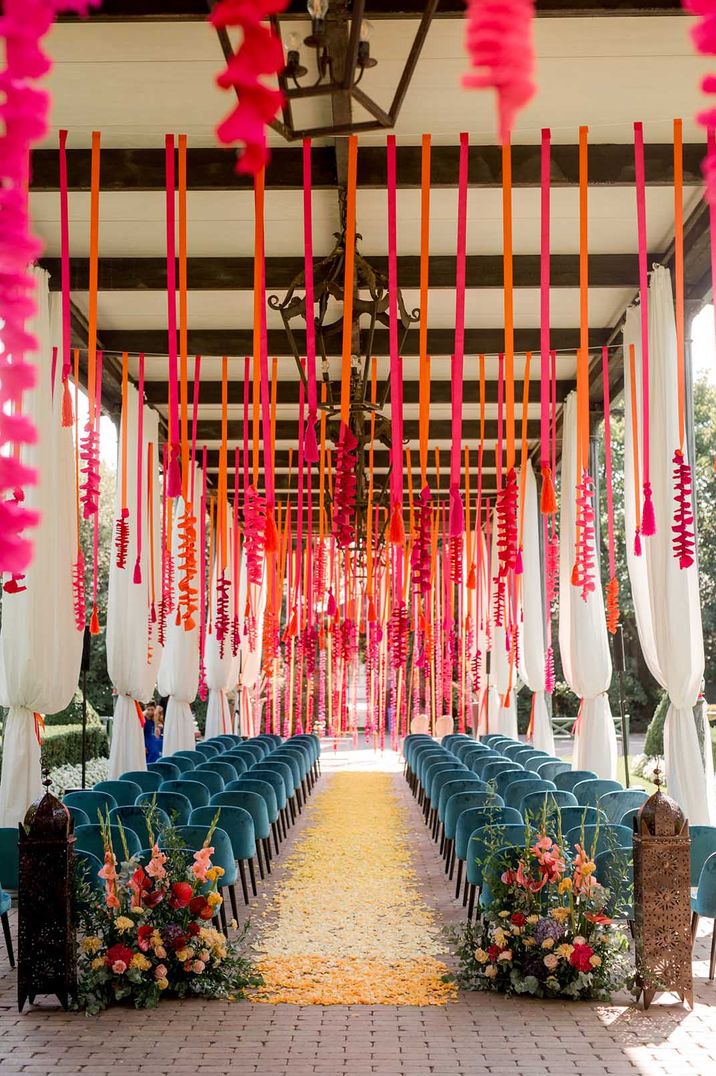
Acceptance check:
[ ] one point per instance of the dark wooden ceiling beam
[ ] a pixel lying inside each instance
(287, 429)
(440, 341)
(288, 391)
(196, 10)
(381, 461)
(237, 274)
(610, 164)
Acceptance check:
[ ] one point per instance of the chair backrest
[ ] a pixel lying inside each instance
(479, 817)
(147, 781)
(135, 818)
(525, 752)
(240, 762)
(532, 760)
(282, 768)
(482, 844)
(167, 770)
(431, 770)
(548, 768)
(222, 766)
(213, 781)
(615, 871)
(92, 802)
(469, 782)
(195, 757)
(567, 779)
(9, 857)
(507, 777)
(599, 838)
(263, 772)
(705, 901)
(538, 804)
(279, 755)
(235, 821)
(488, 770)
(267, 748)
(183, 764)
(195, 791)
(590, 792)
(261, 788)
(78, 816)
(226, 740)
(512, 749)
(420, 723)
(194, 837)
(208, 750)
(703, 845)
(616, 804)
(176, 805)
(251, 802)
(465, 800)
(438, 778)
(249, 750)
(570, 817)
(444, 725)
(123, 792)
(89, 839)
(516, 792)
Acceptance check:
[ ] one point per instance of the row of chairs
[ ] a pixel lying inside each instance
(259, 787)
(466, 787)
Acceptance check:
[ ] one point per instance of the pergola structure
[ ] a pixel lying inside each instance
(136, 70)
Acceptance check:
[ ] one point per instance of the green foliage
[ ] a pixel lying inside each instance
(62, 744)
(654, 744)
(72, 714)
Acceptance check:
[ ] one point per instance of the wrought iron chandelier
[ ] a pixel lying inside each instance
(370, 307)
(340, 43)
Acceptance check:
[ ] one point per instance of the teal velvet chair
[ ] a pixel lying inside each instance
(256, 806)
(480, 848)
(518, 790)
(167, 770)
(475, 818)
(147, 781)
(194, 838)
(5, 905)
(135, 818)
(567, 779)
(174, 804)
(239, 825)
(91, 802)
(590, 792)
(195, 791)
(9, 858)
(89, 839)
(615, 871)
(615, 804)
(599, 838)
(123, 792)
(704, 906)
(703, 845)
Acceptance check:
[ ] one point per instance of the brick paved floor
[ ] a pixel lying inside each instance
(478, 1034)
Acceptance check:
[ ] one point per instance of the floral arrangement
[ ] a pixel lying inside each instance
(545, 930)
(151, 931)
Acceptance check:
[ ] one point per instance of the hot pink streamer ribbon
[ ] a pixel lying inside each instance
(457, 516)
(311, 447)
(648, 522)
(203, 692)
(174, 448)
(65, 269)
(396, 362)
(137, 578)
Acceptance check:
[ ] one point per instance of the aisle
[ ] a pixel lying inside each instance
(348, 925)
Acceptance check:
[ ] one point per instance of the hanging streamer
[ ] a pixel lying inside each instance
(612, 588)
(457, 518)
(311, 447)
(397, 530)
(648, 522)
(175, 483)
(548, 500)
(121, 538)
(424, 368)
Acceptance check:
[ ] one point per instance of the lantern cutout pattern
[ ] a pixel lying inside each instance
(662, 900)
(47, 956)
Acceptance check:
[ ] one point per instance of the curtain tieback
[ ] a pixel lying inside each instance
(578, 723)
(39, 726)
(140, 713)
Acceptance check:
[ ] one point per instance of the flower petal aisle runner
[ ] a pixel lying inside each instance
(350, 926)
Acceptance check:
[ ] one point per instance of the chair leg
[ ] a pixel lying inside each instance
(222, 913)
(8, 939)
(266, 842)
(712, 963)
(292, 808)
(459, 879)
(242, 875)
(471, 903)
(694, 929)
(260, 861)
(283, 823)
(442, 841)
(234, 906)
(452, 861)
(274, 830)
(252, 876)
(465, 891)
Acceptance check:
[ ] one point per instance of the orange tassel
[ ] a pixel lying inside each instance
(548, 503)
(68, 418)
(94, 622)
(371, 611)
(471, 578)
(397, 528)
(575, 575)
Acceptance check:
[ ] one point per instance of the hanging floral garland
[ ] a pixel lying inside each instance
(498, 40)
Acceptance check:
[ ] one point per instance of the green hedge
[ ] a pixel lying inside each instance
(72, 714)
(654, 743)
(62, 744)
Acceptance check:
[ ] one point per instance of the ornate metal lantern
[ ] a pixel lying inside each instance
(47, 962)
(662, 900)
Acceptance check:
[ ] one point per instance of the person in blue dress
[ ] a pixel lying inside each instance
(152, 733)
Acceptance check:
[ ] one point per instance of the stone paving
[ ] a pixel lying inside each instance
(477, 1034)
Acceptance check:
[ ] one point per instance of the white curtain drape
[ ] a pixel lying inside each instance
(249, 679)
(221, 672)
(179, 667)
(133, 650)
(531, 639)
(505, 719)
(583, 642)
(40, 646)
(666, 598)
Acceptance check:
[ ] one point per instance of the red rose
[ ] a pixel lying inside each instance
(493, 952)
(118, 952)
(581, 955)
(180, 895)
(518, 919)
(197, 904)
(193, 929)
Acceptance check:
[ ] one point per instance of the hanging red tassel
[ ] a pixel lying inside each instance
(94, 622)
(548, 500)
(372, 617)
(684, 541)
(518, 562)
(637, 542)
(397, 527)
(271, 538)
(648, 520)
(137, 576)
(68, 418)
(174, 476)
(254, 534)
(612, 590)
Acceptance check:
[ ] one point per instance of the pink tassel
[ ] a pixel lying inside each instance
(89, 454)
(518, 562)
(331, 607)
(648, 520)
(260, 53)
(174, 476)
(584, 567)
(310, 446)
(637, 542)
(137, 576)
(684, 541)
(498, 40)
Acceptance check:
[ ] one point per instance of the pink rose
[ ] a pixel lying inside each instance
(119, 967)
(198, 966)
(160, 972)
